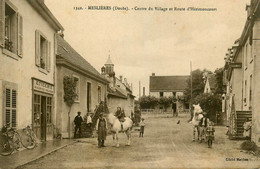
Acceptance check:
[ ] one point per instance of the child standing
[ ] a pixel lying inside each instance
(142, 124)
(210, 134)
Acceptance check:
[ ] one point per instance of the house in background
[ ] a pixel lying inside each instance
(210, 83)
(91, 86)
(119, 91)
(27, 57)
(167, 86)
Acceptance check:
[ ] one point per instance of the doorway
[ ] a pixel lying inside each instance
(43, 118)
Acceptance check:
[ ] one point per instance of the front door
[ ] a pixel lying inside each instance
(43, 118)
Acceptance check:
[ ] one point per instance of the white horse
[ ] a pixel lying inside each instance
(197, 116)
(116, 127)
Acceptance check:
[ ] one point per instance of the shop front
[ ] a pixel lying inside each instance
(42, 109)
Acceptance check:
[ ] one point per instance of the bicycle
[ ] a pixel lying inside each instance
(12, 139)
(28, 138)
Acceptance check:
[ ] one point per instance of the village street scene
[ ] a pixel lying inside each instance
(77, 94)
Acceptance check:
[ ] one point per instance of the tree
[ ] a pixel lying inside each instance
(165, 101)
(198, 84)
(69, 86)
(219, 81)
(211, 104)
(147, 102)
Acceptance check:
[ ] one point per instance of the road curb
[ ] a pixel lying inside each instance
(45, 154)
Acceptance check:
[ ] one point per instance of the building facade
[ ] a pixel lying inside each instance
(119, 91)
(91, 87)
(243, 72)
(27, 31)
(169, 86)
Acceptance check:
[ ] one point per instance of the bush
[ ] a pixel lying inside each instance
(249, 146)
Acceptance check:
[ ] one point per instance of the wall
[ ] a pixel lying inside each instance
(22, 70)
(256, 84)
(62, 108)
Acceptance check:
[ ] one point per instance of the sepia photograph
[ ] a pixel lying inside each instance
(129, 84)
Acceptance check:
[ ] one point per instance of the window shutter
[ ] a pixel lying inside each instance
(20, 35)
(14, 98)
(2, 22)
(7, 106)
(48, 59)
(14, 31)
(37, 48)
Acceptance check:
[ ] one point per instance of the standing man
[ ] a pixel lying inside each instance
(101, 128)
(174, 109)
(77, 121)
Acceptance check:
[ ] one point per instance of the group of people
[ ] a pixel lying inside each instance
(78, 121)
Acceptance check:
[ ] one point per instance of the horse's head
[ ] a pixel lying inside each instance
(197, 114)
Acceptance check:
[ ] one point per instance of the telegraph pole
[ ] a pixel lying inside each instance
(139, 89)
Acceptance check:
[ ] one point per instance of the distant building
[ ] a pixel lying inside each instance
(166, 86)
(91, 85)
(119, 92)
(210, 83)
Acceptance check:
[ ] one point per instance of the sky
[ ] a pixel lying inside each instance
(144, 42)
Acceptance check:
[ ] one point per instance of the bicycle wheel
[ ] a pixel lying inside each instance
(6, 147)
(27, 141)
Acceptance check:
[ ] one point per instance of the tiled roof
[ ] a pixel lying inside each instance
(69, 54)
(115, 93)
(168, 83)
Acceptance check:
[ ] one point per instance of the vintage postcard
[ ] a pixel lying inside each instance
(129, 84)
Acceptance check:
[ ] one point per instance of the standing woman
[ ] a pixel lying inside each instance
(101, 128)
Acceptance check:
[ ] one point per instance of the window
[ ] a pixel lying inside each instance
(99, 94)
(42, 51)
(49, 110)
(161, 94)
(10, 106)
(76, 79)
(11, 29)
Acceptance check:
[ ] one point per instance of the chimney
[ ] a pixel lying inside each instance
(125, 81)
(121, 78)
(143, 91)
(153, 74)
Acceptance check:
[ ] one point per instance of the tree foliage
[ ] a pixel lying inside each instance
(219, 81)
(198, 84)
(69, 86)
(209, 103)
(149, 102)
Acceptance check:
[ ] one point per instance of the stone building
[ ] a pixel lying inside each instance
(166, 86)
(91, 86)
(242, 72)
(119, 92)
(27, 57)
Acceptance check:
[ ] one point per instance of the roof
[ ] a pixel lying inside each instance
(66, 52)
(115, 93)
(44, 11)
(109, 61)
(168, 83)
(212, 81)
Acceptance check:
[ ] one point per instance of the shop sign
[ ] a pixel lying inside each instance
(43, 86)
